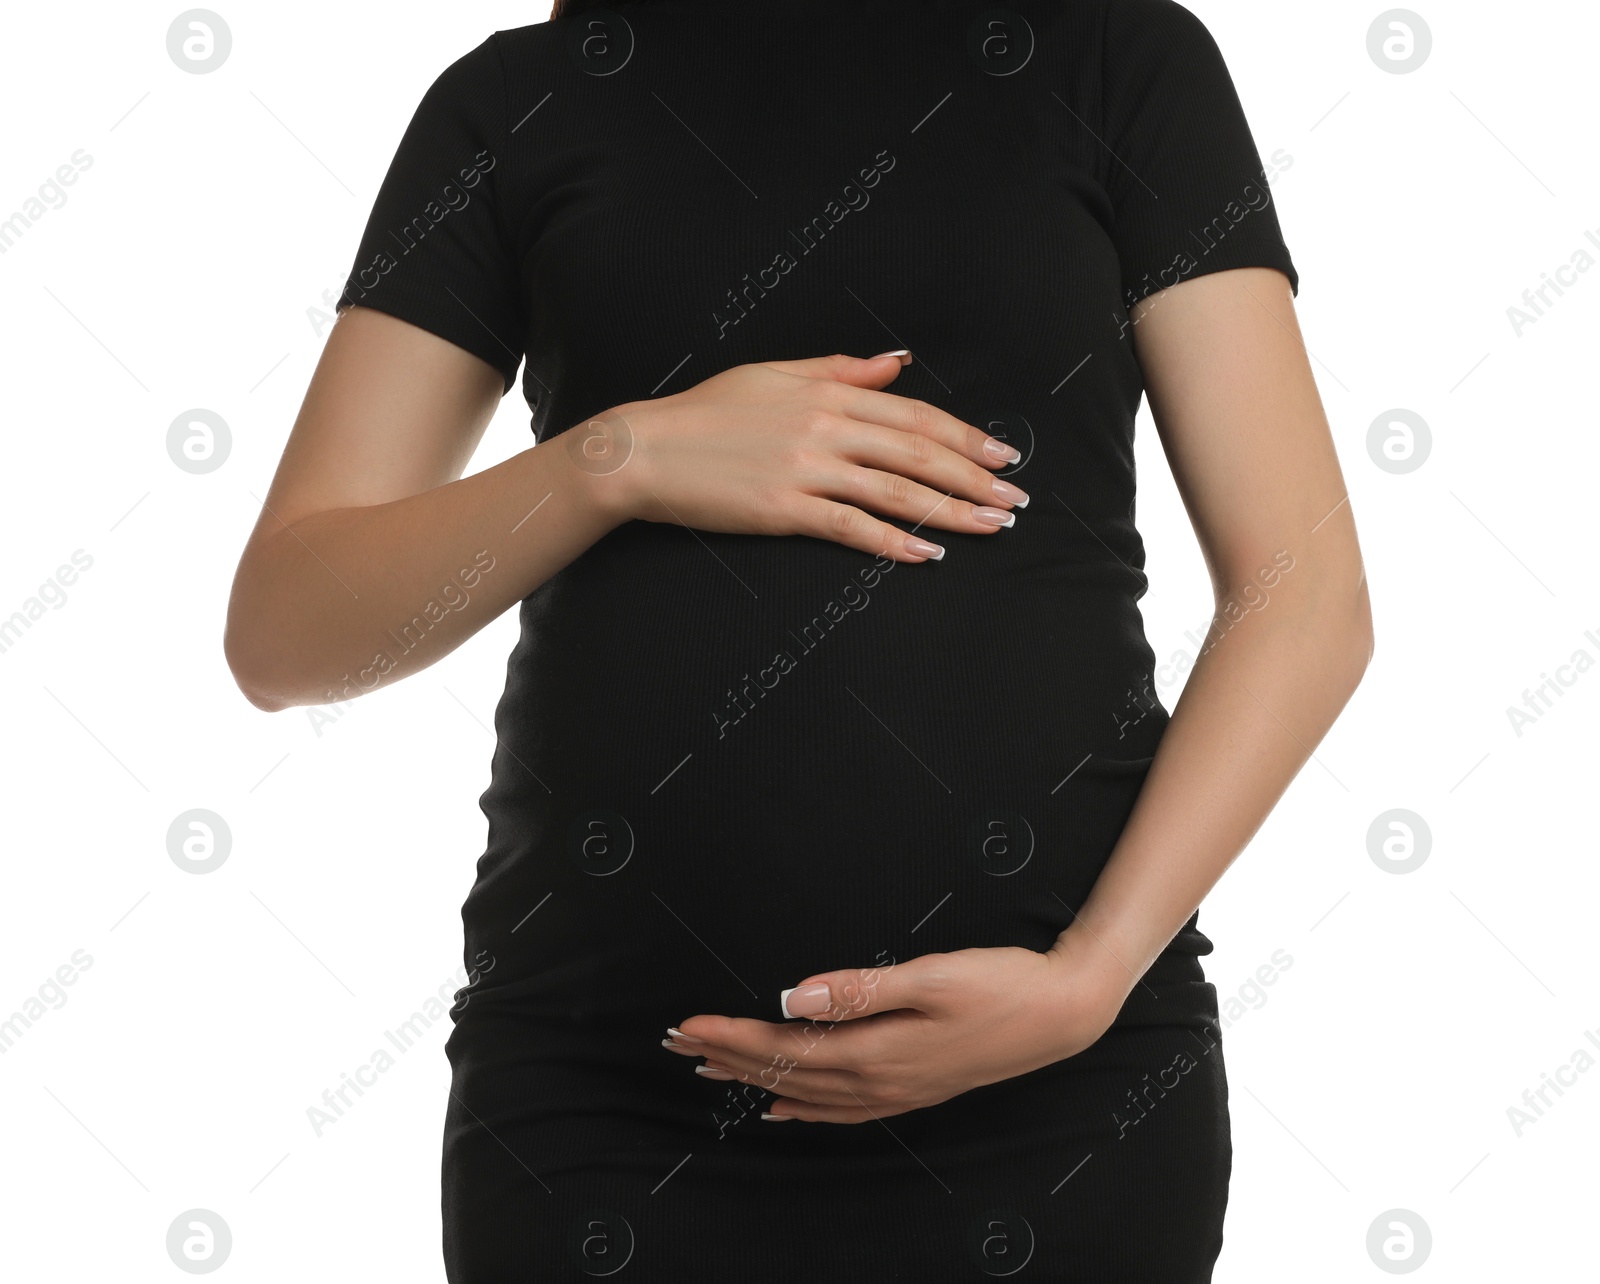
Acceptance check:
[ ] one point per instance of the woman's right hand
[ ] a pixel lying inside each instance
(810, 447)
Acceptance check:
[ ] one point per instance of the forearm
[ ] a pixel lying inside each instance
(1258, 701)
(341, 602)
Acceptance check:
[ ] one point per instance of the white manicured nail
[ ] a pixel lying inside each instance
(813, 1001)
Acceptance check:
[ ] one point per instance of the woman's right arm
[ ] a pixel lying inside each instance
(366, 521)
(369, 528)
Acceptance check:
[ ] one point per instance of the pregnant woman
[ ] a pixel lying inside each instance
(838, 914)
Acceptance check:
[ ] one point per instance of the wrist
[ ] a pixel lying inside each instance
(1093, 976)
(602, 470)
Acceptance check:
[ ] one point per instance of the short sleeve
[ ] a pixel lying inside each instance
(1188, 191)
(436, 251)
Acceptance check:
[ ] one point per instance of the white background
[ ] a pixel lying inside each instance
(1378, 1071)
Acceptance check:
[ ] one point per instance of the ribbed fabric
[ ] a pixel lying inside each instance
(725, 762)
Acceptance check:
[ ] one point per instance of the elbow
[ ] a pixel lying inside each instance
(1359, 639)
(253, 649)
(1364, 618)
(1359, 655)
(263, 700)
(251, 683)
(247, 662)
(1332, 636)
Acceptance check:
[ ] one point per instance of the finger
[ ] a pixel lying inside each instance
(860, 372)
(787, 1109)
(816, 1087)
(895, 494)
(767, 1043)
(913, 415)
(850, 526)
(921, 985)
(918, 457)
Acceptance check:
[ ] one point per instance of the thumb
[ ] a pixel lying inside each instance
(862, 372)
(855, 992)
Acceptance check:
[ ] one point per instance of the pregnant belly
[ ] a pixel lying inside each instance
(716, 776)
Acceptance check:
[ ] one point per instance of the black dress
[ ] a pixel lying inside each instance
(726, 762)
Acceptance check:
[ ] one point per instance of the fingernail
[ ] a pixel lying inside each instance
(679, 1047)
(809, 1000)
(775, 1118)
(679, 1034)
(1011, 494)
(995, 516)
(712, 1074)
(903, 353)
(922, 548)
(1000, 450)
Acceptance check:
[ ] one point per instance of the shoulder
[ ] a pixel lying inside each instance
(1136, 28)
(534, 40)
(1121, 35)
(502, 50)
(1159, 42)
(482, 77)
(1160, 16)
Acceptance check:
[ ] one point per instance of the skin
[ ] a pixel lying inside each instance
(368, 514)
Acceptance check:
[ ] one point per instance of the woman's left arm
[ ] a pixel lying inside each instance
(1240, 419)
(1237, 409)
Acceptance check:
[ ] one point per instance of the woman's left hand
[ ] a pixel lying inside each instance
(888, 1040)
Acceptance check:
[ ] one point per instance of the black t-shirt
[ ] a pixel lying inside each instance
(729, 761)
